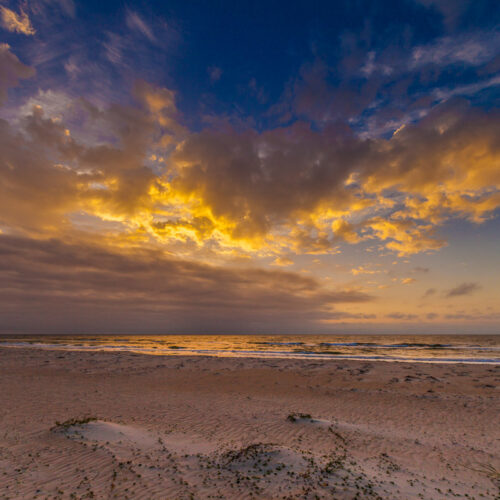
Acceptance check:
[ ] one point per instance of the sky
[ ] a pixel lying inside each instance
(250, 167)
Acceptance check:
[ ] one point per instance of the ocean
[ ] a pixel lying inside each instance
(403, 348)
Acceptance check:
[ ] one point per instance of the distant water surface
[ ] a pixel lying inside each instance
(424, 348)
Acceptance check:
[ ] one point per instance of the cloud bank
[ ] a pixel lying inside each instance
(76, 284)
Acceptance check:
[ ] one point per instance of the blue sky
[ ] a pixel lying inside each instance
(257, 63)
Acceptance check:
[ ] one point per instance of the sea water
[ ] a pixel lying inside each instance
(414, 348)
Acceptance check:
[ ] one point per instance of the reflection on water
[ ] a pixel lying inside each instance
(442, 348)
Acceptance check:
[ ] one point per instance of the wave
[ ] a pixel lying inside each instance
(296, 354)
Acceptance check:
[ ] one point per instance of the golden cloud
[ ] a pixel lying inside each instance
(292, 190)
(17, 23)
(282, 261)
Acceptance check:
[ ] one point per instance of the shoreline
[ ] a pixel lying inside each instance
(242, 354)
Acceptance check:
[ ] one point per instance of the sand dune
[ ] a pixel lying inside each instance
(136, 426)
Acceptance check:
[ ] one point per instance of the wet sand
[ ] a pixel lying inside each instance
(179, 427)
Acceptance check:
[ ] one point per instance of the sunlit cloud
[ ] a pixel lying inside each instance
(345, 231)
(17, 23)
(282, 261)
(363, 270)
(408, 281)
(216, 188)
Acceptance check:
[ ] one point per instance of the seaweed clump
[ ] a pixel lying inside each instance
(73, 422)
(293, 417)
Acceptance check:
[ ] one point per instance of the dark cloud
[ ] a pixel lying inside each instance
(420, 269)
(463, 289)
(473, 317)
(11, 71)
(317, 95)
(402, 316)
(259, 180)
(57, 284)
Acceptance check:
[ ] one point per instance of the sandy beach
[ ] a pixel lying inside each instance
(123, 425)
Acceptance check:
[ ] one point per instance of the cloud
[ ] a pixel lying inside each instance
(444, 176)
(445, 93)
(290, 189)
(256, 181)
(404, 236)
(312, 95)
(11, 71)
(463, 289)
(451, 10)
(429, 292)
(17, 23)
(135, 22)
(420, 269)
(402, 316)
(363, 270)
(345, 231)
(214, 73)
(160, 102)
(282, 261)
(68, 6)
(474, 317)
(474, 50)
(53, 103)
(46, 174)
(377, 87)
(408, 281)
(48, 8)
(259, 183)
(61, 282)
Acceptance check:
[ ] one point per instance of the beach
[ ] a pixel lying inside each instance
(127, 425)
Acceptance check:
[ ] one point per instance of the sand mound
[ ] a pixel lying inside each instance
(101, 432)
(264, 470)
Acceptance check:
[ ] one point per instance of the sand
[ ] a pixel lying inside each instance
(178, 427)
